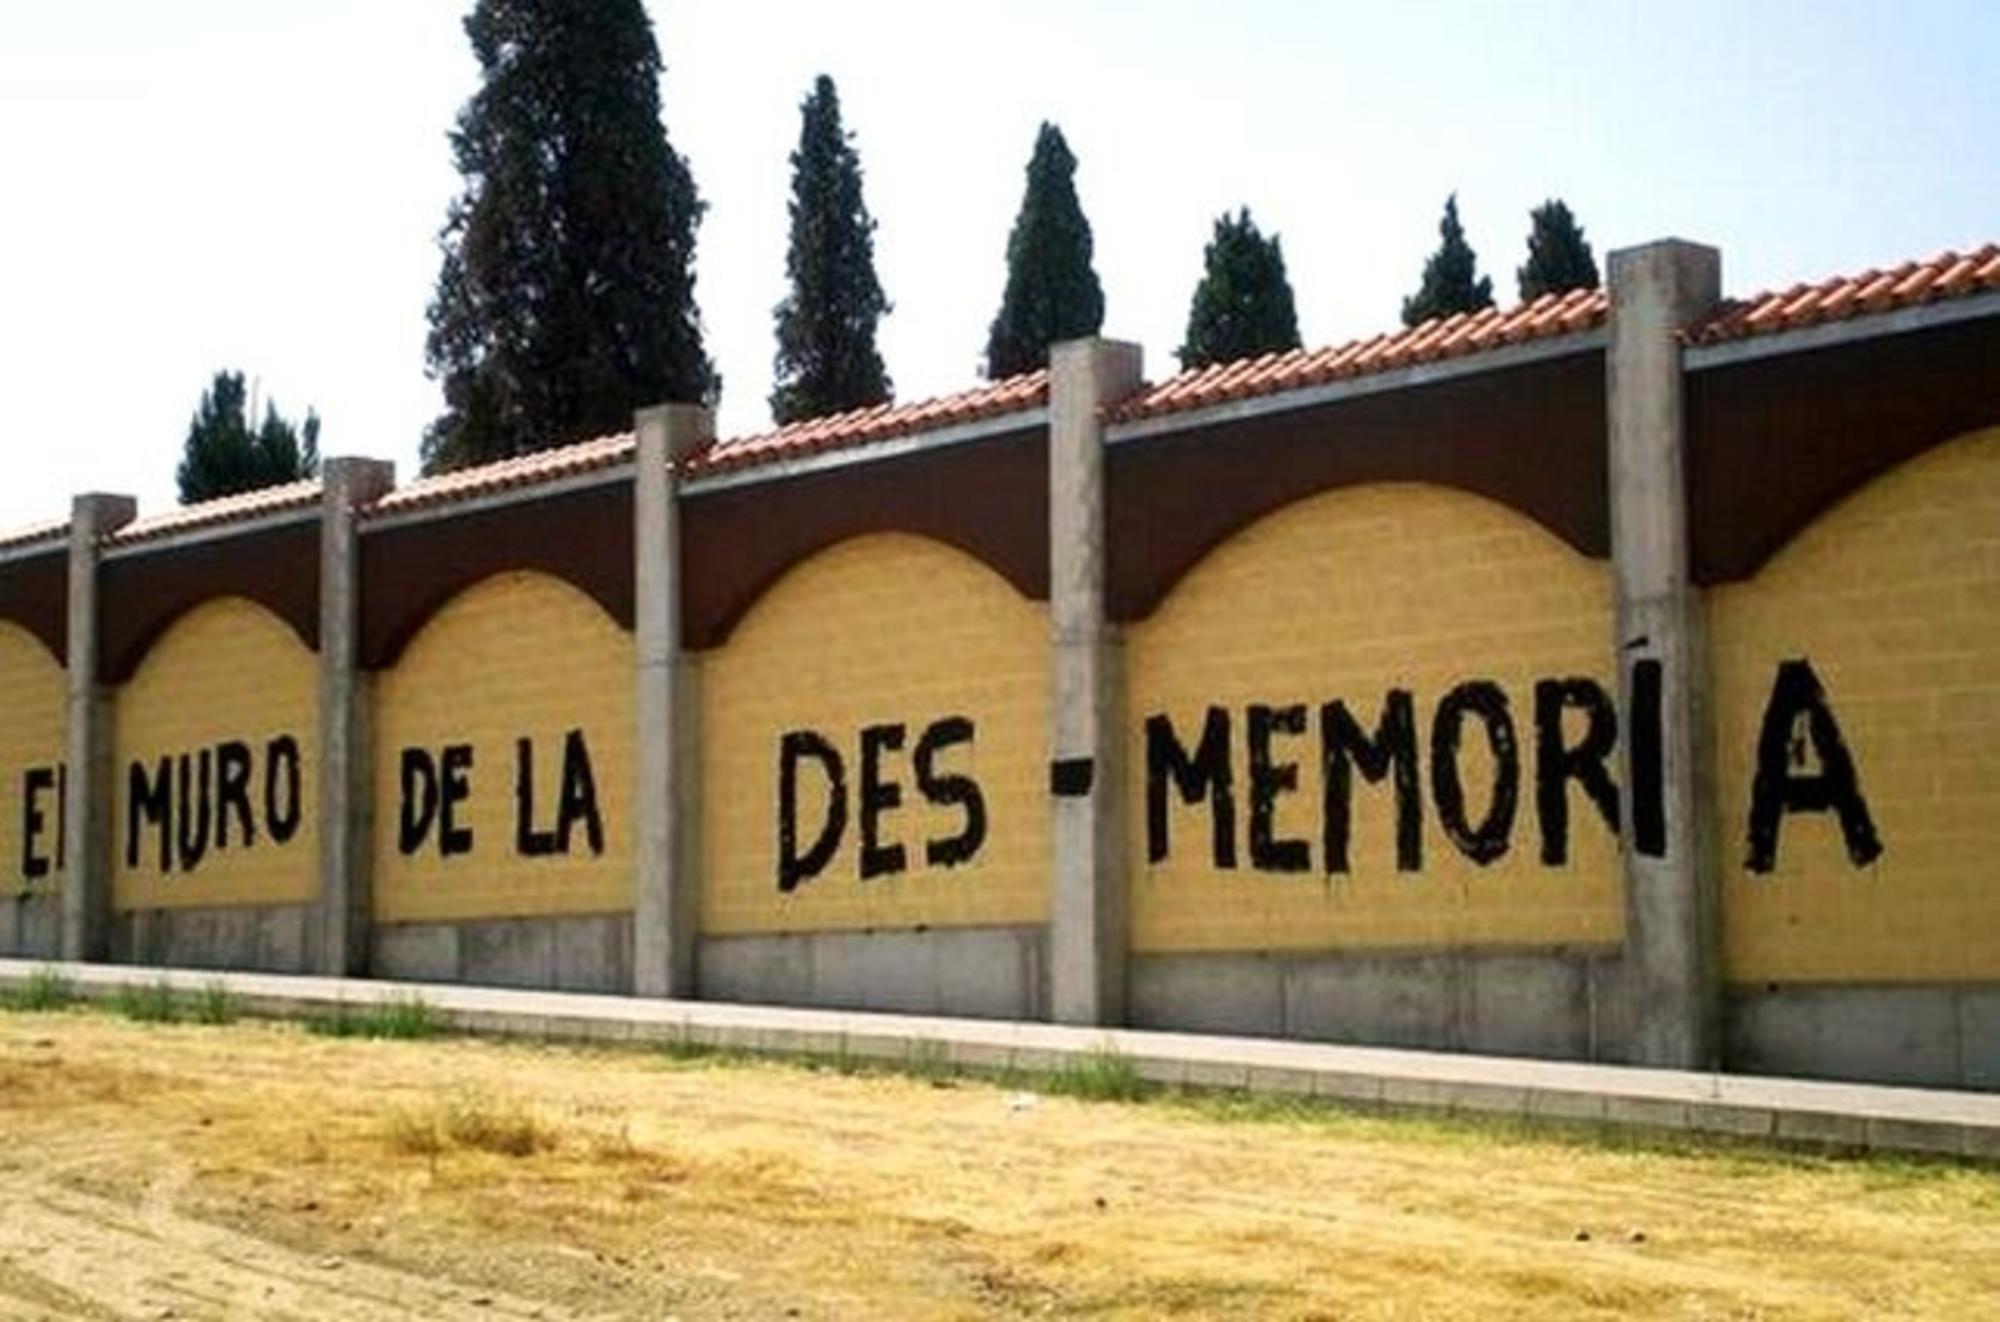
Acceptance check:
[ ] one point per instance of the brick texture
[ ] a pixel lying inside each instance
(226, 670)
(1894, 598)
(1346, 595)
(883, 628)
(519, 655)
(32, 725)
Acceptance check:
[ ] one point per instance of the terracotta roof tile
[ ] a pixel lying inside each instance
(1456, 336)
(225, 509)
(523, 470)
(49, 530)
(1947, 275)
(841, 431)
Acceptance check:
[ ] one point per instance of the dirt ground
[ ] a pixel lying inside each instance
(257, 1171)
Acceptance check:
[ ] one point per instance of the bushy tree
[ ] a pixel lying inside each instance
(566, 295)
(1451, 281)
(827, 361)
(1052, 291)
(1243, 305)
(1559, 257)
(224, 456)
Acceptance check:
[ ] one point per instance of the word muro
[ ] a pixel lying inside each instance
(435, 785)
(189, 801)
(1802, 766)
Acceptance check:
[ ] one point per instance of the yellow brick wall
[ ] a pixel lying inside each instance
(1894, 599)
(32, 730)
(226, 670)
(884, 628)
(1347, 595)
(520, 655)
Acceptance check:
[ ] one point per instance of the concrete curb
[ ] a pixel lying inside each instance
(1856, 1117)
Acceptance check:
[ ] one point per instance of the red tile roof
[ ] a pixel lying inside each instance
(1947, 275)
(1548, 317)
(51, 531)
(225, 509)
(839, 431)
(523, 470)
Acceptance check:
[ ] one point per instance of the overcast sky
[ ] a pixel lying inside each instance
(257, 184)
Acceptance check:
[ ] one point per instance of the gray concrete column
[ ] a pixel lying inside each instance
(666, 798)
(1669, 974)
(1087, 899)
(346, 744)
(86, 897)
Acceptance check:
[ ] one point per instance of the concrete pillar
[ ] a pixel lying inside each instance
(1670, 970)
(346, 744)
(1086, 746)
(86, 899)
(666, 798)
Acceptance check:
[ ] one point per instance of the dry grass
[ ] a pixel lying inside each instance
(629, 1185)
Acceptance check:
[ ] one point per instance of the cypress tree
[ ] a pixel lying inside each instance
(827, 361)
(1243, 305)
(1451, 283)
(566, 295)
(223, 455)
(1052, 291)
(1559, 257)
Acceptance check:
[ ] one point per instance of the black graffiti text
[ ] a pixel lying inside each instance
(878, 796)
(1800, 733)
(44, 820)
(1381, 749)
(576, 801)
(433, 788)
(220, 797)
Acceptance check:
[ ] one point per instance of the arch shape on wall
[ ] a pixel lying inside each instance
(894, 660)
(411, 571)
(516, 692)
(228, 683)
(1774, 443)
(987, 499)
(142, 595)
(1406, 597)
(34, 594)
(1531, 438)
(1888, 607)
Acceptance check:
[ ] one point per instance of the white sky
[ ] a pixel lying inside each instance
(256, 184)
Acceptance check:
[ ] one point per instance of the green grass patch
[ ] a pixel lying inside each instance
(45, 990)
(406, 1018)
(148, 1003)
(215, 1004)
(1102, 1076)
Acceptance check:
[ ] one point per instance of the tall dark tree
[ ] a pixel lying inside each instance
(1451, 280)
(566, 296)
(1559, 257)
(827, 360)
(1243, 305)
(224, 455)
(1052, 291)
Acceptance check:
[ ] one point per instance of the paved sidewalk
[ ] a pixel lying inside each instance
(1840, 1115)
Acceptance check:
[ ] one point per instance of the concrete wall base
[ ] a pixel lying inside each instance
(591, 953)
(31, 926)
(1551, 1004)
(276, 938)
(1933, 1036)
(981, 973)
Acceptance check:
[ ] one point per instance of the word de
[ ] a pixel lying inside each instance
(189, 800)
(434, 786)
(880, 793)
